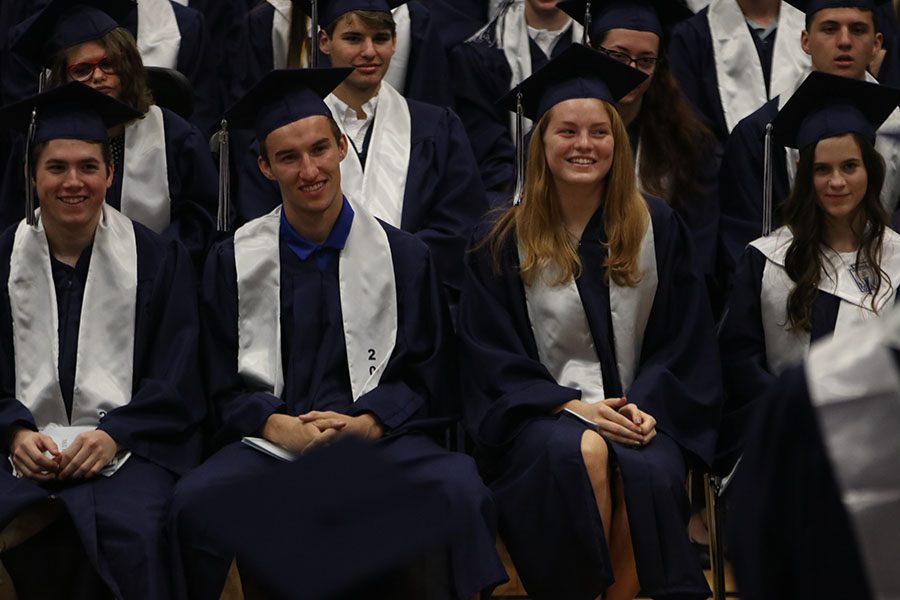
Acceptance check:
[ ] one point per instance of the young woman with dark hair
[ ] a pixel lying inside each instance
(588, 354)
(833, 263)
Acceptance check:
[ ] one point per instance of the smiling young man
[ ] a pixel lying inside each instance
(320, 322)
(408, 163)
(100, 402)
(841, 39)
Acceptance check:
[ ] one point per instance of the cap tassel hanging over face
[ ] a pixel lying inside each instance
(30, 204)
(520, 150)
(224, 211)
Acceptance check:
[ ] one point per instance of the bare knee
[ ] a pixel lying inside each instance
(595, 454)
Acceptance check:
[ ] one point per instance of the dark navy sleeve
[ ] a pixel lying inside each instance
(162, 422)
(196, 60)
(793, 537)
(691, 58)
(418, 380)
(193, 187)
(678, 379)
(451, 198)
(743, 351)
(481, 77)
(255, 56)
(428, 72)
(504, 384)
(239, 411)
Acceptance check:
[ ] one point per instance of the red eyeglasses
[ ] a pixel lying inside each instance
(85, 70)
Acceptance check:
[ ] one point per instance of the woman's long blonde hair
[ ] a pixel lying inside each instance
(537, 221)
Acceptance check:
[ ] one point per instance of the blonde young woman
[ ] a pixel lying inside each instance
(589, 355)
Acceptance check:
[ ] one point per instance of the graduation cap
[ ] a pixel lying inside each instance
(66, 23)
(599, 16)
(811, 7)
(363, 519)
(578, 72)
(825, 106)
(282, 96)
(328, 11)
(73, 111)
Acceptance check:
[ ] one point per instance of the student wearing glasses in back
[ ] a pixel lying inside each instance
(672, 145)
(164, 176)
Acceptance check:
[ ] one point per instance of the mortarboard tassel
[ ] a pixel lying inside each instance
(520, 149)
(767, 183)
(224, 212)
(586, 36)
(313, 60)
(30, 204)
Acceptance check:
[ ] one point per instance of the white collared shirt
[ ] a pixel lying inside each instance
(546, 39)
(355, 127)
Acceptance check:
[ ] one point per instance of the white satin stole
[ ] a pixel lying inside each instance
(368, 302)
(158, 36)
(563, 336)
(145, 179)
(888, 148)
(739, 74)
(105, 355)
(786, 348)
(381, 186)
(511, 33)
(855, 391)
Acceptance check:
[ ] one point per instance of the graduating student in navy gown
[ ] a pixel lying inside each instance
(815, 495)
(519, 40)
(722, 49)
(420, 70)
(343, 330)
(590, 376)
(834, 262)
(742, 176)
(166, 179)
(410, 163)
(98, 331)
(672, 145)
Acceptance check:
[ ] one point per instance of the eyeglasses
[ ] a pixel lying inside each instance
(85, 70)
(644, 63)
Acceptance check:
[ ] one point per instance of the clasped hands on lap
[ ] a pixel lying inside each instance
(318, 428)
(37, 457)
(617, 420)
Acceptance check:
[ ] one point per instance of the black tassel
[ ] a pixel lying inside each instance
(224, 211)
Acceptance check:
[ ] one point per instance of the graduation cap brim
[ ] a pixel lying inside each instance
(656, 16)
(578, 72)
(284, 96)
(39, 37)
(829, 105)
(345, 514)
(72, 111)
(330, 10)
(812, 6)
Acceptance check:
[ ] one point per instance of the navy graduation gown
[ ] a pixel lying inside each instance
(792, 537)
(414, 389)
(459, 19)
(693, 63)
(557, 540)
(741, 185)
(442, 202)
(482, 76)
(223, 21)
(119, 519)
(427, 73)
(192, 179)
(743, 350)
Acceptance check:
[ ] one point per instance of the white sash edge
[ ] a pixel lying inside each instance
(281, 31)
(396, 73)
(158, 36)
(145, 180)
